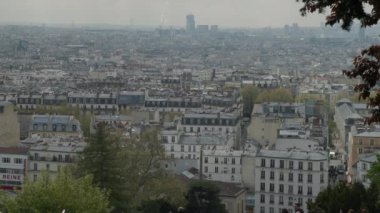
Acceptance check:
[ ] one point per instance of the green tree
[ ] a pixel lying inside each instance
(249, 95)
(100, 159)
(343, 197)
(374, 172)
(203, 198)
(130, 170)
(63, 193)
(276, 95)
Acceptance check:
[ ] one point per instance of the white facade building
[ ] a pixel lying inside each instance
(222, 165)
(13, 167)
(52, 154)
(284, 178)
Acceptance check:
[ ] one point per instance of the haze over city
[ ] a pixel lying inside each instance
(225, 13)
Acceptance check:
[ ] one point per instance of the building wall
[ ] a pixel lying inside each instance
(234, 204)
(359, 145)
(9, 126)
(248, 172)
(222, 165)
(13, 168)
(263, 130)
(283, 193)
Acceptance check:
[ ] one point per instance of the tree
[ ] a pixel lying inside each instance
(367, 64)
(63, 193)
(343, 197)
(276, 95)
(130, 170)
(203, 198)
(374, 172)
(100, 159)
(249, 95)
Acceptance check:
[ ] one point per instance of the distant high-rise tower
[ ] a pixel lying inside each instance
(190, 23)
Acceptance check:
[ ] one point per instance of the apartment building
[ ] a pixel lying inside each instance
(54, 125)
(9, 125)
(283, 178)
(52, 154)
(13, 167)
(222, 165)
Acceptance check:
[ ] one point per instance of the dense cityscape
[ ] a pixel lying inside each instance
(265, 115)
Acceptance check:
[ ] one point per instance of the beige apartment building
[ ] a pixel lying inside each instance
(9, 125)
(362, 144)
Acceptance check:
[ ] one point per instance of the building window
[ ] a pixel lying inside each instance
(182, 148)
(47, 167)
(63, 127)
(35, 177)
(216, 169)
(171, 148)
(290, 164)
(310, 166)
(281, 188)
(300, 178)
(262, 187)
(271, 209)
(54, 127)
(371, 142)
(17, 160)
(225, 160)
(262, 162)
(271, 175)
(262, 198)
(281, 164)
(206, 159)
(206, 169)
(233, 161)
(271, 187)
(281, 200)
(74, 128)
(272, 163)
(290, 176)
(290, 202)
(281, 178)
(290, 189)
(321, 166)
(309, 190)
(233, 171)
(262, 176)
(322, 179)
(6, 160)
(173, 139)
(300, 165)
(262, 209)
(360, 150)
(216, 160)
(309, 178)
(189, 148)
(360, 141)
(300, 190)
(271, 199)
(300, 201)
(35, 167)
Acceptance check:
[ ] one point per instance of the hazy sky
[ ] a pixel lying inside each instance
(227, 13)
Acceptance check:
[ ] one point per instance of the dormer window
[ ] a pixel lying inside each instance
(74, 128)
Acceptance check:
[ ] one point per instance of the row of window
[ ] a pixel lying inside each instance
(191, 129)
(223, 161)
(205, 121)
(54, 127)
(11, 171)
(15, 160)
(290, 177)
(281, 165)
(216, 170)
(281, 200)
(290, 189)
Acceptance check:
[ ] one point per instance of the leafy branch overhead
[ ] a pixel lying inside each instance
(367, 64)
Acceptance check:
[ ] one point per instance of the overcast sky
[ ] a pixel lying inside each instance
(226, 13)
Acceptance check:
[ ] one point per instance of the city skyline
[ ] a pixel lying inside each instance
(166, 13)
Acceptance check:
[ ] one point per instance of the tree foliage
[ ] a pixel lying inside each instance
(374, 172)
(249, 95)
(367, 64)
(63, 193)
(203, 197)
(276, 95)
(130, 170)
(342, 197)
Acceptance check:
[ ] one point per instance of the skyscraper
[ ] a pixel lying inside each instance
(190, 23)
